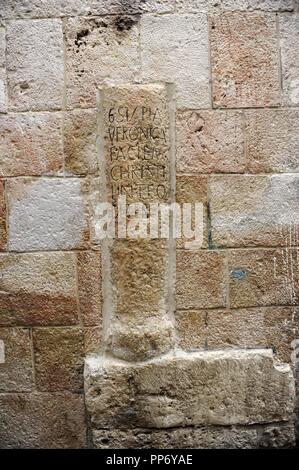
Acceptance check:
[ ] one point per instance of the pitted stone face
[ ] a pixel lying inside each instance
(136, 157)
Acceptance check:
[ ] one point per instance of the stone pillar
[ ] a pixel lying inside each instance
(137, 161)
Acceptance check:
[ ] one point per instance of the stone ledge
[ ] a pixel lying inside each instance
(240, 387)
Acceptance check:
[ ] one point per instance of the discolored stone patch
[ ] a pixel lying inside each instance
(3, 234)
(31, 144)
(42, 421)
(244, 60)
(97, 48)
(58, 356)
(38, 289)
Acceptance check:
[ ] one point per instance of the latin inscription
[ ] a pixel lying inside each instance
(137, 144)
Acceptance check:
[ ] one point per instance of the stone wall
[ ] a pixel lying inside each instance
(234, 66)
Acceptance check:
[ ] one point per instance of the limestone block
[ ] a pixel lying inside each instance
(244, 60)
(97, 49)
(89, 271)
(42, 420)
(3, 92)
(93, 342)
(16, 373)
(38, 289)
(272, 140)
(193, 189)
(47, 214)
(203, 388)
(269, 327)
(3, 235)
(58, 356)
(263, 277)
(203, 437)
(249, 210)
(56, 8)
(251, 5)
(289, 35)
(200, 279)
(210, 141)
(80, 132)
(30, 144)
(35, 69)
(174, 48)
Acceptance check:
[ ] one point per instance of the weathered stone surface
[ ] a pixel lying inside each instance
(200, 279)
(263, 277)
(191, 328)
(139, 271)
(56, 8)
(210, 141)
(251, 5)
(249, 210)
(2, 46)
(203, 437)
(90, 287)
(3, 92)
(42, 420)
(93, 342)
(58, 356)
(272, 140)
(174, 48)
(38, 289)
(47, 214)
(97, 49)
(30, 144)
(80, 132)
(244, 60)
(16, 373)
(289, 37)
(273, 327)
(3, 235)
(211, 387)
(35, 64)
(193, 189)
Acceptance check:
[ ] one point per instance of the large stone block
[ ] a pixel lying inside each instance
(251, 5)
(272, 140)
(263, 277)
(255, 210)
(277, 435)
(244, 55)
(90, 287)
(80, 133)
(16, 372)
(42, 420)
(269, 327)
(289, 36)
(58, 354)
(30, 144)
(3, 234)
(97, 49)
(47, 214)
(174, 48)
(203, 388)
(56, 8)
(200, 142)
(38, 289)
(34, 60)
(200, 279)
